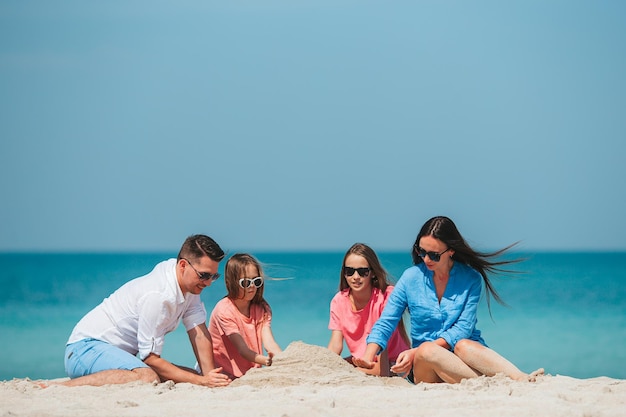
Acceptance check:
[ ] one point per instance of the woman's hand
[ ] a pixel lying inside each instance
(404, 363)
(367, 361)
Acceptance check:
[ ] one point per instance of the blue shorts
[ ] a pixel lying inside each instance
(89, 356)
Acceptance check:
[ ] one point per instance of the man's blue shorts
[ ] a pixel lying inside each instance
(89, 356)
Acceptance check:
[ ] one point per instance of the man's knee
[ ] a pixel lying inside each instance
(147, 375)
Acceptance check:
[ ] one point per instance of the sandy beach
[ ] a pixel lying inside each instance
(308, 380)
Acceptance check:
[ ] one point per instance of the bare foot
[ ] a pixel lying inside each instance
(532, 377)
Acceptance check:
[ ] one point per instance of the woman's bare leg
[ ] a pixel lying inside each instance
(489, 362)
(433, 363)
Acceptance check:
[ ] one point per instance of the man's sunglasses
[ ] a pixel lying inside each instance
(363, 272)
(433, 256)
(248, 282)
(204, 276)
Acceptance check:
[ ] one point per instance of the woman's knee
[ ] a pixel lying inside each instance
(466, 347)
(426, 352)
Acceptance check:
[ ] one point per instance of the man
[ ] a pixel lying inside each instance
(121, 339)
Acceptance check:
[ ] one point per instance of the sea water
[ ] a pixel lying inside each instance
(566, 311)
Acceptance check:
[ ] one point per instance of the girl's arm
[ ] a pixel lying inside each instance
(247, 353)
(336, 342)
(269, 343)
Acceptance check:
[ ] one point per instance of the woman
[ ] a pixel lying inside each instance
(442, 292)
(363, 292)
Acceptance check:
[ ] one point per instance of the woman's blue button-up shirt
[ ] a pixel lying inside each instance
(453, 319)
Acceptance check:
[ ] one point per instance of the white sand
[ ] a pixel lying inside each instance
(308, 380)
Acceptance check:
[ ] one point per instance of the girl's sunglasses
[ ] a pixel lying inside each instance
(434, 256)
(248, 282)
(363, 272)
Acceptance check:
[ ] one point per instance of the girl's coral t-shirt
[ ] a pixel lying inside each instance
(226, 319)
(357, 325)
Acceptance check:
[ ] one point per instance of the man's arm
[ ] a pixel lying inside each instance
(168, 371)
(203, 349)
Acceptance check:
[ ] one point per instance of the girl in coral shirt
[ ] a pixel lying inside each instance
(363, 293)
(240, 322)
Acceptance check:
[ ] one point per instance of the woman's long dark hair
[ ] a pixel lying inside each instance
(445, 230)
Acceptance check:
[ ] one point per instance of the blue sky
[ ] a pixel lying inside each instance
(310, 125)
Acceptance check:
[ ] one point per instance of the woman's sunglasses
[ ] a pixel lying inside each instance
(363, 272)
(433, 256)
(248, 282)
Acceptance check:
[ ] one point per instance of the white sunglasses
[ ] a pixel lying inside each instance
(247, 282)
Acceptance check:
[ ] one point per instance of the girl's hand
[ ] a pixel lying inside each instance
(362, 363)
(270, 358)
(404, 363)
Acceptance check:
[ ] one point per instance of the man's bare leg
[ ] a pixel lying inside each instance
(114, 376)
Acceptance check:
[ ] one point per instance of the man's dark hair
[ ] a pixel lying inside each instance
(198, 246)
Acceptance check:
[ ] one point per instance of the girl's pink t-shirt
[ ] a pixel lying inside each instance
(226, 319)
(357, 325)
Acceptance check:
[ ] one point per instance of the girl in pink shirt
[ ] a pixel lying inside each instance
(240, 322)
(363, 292)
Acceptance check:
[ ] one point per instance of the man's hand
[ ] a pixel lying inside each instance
(215, 379)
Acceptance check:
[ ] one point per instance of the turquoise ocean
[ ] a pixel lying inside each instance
(566, 312)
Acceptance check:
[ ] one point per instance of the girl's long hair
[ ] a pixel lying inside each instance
(379, 276)
(378, 273)
(235, 270)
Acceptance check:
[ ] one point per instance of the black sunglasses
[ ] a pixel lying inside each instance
(434, 256)
(363, 272)
(204, 276)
